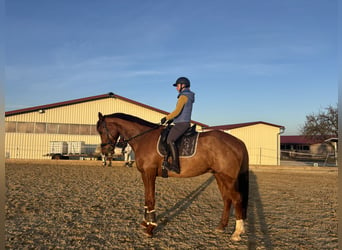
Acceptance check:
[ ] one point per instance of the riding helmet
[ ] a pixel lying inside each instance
(182, 80)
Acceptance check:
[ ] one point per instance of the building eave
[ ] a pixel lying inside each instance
(240, 125)
(87, 99)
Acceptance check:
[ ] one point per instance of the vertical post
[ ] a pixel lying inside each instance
(335, 147)
(282, 130)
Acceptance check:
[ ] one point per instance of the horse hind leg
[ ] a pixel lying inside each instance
(229, 196)
(240, 200)
(239, 229)
(239, 215)
(226, 203)
(225, 216)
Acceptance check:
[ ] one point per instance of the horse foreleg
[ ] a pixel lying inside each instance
(144, 221)
(150, 218)
(103, 157)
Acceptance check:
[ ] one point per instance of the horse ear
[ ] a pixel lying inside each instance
(100, 116)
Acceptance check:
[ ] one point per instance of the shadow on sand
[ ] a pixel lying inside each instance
(256, 217)
(180, 206)
(257, 233)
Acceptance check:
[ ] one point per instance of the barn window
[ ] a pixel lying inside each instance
(25, 127)
(93, 130)
(40, 128)
(74, 129)
(10, 127)
(52, 128)
(84, 129)
(63, 129)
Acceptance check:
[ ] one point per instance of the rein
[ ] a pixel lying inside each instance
(142, 133)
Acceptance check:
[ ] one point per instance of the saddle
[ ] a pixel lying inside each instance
(186, 144)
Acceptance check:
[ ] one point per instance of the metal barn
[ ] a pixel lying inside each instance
(70, 128)
(66, 127)
(261, 138)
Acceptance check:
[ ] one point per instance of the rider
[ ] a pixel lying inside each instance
(181, 118)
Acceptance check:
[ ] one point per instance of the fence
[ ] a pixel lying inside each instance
(257, 156)
(77, 150)
(324, 159)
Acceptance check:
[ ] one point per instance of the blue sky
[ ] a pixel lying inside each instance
(269, 60)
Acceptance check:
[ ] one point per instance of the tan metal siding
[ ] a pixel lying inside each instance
(34, 146)
(262, 140)
(262, 143)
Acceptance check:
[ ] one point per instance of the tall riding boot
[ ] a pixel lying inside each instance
(175, 158)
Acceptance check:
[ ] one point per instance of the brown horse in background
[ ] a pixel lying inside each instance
(217, 152)
(106, 154)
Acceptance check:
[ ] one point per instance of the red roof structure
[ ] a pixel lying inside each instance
(301, 139)
(239, 125)
(296, 139)
(87, 99)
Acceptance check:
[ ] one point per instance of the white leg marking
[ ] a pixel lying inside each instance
(103, 160)
(239, 229)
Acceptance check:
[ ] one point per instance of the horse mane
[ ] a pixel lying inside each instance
(132, 118)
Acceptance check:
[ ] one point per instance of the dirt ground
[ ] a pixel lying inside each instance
(82, 205)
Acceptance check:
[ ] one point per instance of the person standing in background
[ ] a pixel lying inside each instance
(128, 155)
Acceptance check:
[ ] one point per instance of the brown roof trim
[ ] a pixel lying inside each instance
(240, 125)
(295, 139)
(57, 104)
(87, 99)
(301, 139)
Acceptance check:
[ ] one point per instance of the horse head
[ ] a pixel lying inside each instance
(108, 133)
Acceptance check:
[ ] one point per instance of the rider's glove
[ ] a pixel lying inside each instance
(163, 120)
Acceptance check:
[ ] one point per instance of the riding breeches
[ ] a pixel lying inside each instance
(177, 131)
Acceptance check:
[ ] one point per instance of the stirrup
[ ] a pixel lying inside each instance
(173, 167)
(170, 167)
(165, 166)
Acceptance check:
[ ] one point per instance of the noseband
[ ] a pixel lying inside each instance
(109, 143)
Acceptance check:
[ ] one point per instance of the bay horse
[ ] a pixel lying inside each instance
(223, 155)
(106, 154)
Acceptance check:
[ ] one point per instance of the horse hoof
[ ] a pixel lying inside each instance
(143, 224)
(147, 234)
(149, 230)
(235, 237)
(219, 229)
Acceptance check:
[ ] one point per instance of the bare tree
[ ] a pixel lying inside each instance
(321, 126)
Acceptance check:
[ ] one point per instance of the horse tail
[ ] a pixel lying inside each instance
(243, 183)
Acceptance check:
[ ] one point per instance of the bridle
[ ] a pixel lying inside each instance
(108, 136)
